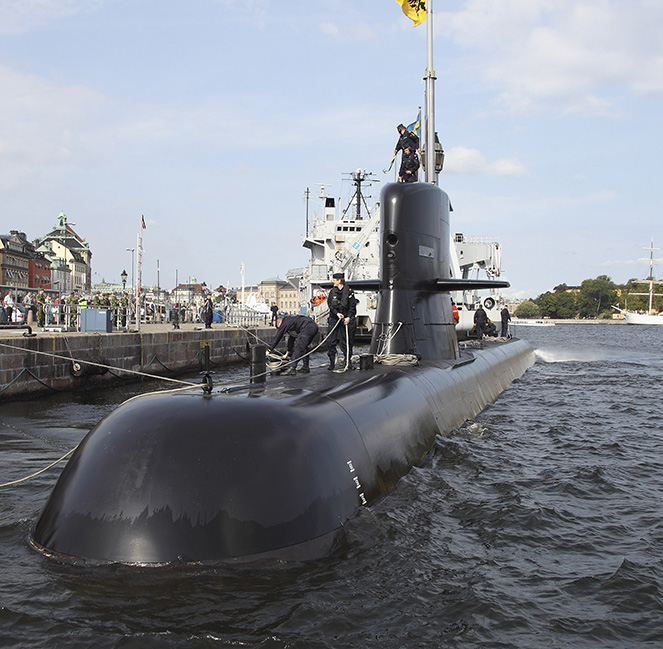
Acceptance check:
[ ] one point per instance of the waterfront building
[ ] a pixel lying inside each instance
(279, 291)
(15, 255)
(63, 247)
(191, 293)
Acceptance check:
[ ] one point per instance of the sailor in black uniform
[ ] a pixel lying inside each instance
(408, 172)
(480, 320)
(406, 139)
(301, 331)
(505, 317)
(342, 312)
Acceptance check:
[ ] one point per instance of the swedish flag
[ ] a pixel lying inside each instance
(415, 127)
(414, 9)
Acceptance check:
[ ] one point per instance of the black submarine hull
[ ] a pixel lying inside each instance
(278, 470)
(194, 478)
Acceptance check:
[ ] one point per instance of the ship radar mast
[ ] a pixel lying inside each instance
(358, 177)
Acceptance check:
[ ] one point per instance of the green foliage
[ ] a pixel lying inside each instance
(560, 304)
(527, 309)
(594, 300)
(596, 296)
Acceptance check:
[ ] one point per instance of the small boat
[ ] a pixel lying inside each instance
(651, 317)
(532, 323)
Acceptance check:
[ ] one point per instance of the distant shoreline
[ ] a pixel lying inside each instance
(573, 321)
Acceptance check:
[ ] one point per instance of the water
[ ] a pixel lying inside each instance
(538, 525)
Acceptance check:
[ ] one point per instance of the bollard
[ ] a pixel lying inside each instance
(258, 363)
(366, 362)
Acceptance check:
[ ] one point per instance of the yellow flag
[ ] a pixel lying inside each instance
(414, 9)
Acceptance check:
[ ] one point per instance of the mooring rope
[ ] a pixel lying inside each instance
(108, 367)
(187, 386)
(36, 473)
(285, 364)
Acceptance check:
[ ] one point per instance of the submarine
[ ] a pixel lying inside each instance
(276, 470)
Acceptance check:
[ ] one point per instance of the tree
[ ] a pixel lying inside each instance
(527, 309)
(596, 296)
(559, 304)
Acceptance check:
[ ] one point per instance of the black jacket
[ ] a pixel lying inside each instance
(409, 163)
(480, 316)
(292, 325)
(407, 140)
(341, 300)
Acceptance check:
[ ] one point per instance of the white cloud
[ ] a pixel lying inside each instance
(330, 29)
(463, 160)
(565, 55)
(18, 16)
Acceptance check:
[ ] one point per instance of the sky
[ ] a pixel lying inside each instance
(212, 118)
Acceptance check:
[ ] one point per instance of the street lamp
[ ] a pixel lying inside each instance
(132, 250)
(124, 280)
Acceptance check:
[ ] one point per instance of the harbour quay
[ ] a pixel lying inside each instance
(52, 361)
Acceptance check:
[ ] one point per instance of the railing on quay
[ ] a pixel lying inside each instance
(68, 316)
(239, 315)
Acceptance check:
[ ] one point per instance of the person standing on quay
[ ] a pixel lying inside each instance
(41, 313)
(8, 305)
(207, 312)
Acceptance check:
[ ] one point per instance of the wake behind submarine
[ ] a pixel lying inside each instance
(277, 470)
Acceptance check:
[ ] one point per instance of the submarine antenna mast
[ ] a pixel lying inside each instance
(429, 78)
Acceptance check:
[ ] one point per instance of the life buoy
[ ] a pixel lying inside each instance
(319, 297)
(489, 302)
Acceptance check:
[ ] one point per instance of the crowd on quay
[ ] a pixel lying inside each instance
(42, 309)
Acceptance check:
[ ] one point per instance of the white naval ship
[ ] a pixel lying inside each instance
(349, 242)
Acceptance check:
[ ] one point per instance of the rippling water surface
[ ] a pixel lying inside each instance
(536, 525)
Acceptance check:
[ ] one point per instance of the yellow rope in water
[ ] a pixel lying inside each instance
(36, 473)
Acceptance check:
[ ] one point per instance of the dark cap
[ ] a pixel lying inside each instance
(338, 276)
(399, 127)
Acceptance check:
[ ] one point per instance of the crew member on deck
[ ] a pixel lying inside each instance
(506, 316)
(301, 331)
(480, 320)
(341, 324)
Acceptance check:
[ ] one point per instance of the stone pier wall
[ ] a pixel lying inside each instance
(164, 353)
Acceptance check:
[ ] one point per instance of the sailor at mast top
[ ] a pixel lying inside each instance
(407, 139)
(408, 173)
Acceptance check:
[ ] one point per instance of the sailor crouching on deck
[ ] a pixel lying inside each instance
(342, 307)
(301, 331)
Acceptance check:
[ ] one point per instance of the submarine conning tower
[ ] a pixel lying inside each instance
(413, 316)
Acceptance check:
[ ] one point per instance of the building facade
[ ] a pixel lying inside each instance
(15, 255)
(280, 292)
(69, 256)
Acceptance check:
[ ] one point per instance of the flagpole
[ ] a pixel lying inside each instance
(430, 98)
(139, 268)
